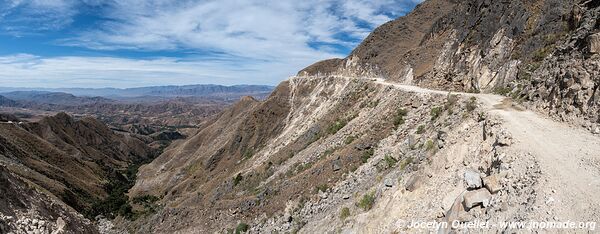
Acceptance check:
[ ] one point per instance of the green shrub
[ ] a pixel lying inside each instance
(405, 163)
(335, 127)
(367, 201)
(248, 153)
(148, 202)
(117, 202)
(435, 112)
(391, 162)
(399, 118)
(322, 187)
(242, 227)
(367, 154)
(237, 179)
(345, 213)
(349, 140)
(300, 167)
(501, 90)
(328, 152)
(421, 129)
(429, 145)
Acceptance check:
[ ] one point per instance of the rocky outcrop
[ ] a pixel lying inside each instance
(566, 84)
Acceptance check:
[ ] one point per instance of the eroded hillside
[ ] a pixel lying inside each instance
(353, 145)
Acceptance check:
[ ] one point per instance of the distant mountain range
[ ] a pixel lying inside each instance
(204, 90)
(58, 98)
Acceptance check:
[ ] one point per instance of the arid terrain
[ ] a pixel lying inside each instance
(459, 113)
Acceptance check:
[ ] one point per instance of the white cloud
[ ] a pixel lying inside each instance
(19, 17)
(271, 39)
(26, 70)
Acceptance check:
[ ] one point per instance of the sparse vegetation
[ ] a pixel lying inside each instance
(300, 167)
(148, 202)
(435, 112)
(322, 188)
(501, 90)
(344, 213)
(248, 153)
(399, 118)
(367, 154)
(349, 140)
(390, 161)
(336, 126)
(405, 163)
(237, 179)
(241, 228)
(421, 129)
(429, 145)
(367, 201)
(117, 202)
(327, 153)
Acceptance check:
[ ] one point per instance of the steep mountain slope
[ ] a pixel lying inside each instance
(257, 157)
(352, 145)
(72, 160)
(507, 47)
(24, 208)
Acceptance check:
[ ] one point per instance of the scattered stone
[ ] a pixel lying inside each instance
(594, 43)
(411, 141)
(596, 130)
(477, 197)
(388, 182)
(492, 184)
(337, 165)
(472, 178)
(346, 197)
(504, 139)
(363, 146)
(322, 195)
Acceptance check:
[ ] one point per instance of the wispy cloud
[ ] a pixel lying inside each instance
(22, 17)
(26, 70)
(269, 39)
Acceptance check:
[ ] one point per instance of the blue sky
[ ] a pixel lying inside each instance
(132, 43)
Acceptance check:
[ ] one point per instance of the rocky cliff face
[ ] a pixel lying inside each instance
(543, 51)
(565, 84)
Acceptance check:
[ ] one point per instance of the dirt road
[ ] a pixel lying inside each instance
(569, 157)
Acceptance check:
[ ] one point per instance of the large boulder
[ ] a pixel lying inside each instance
(477, 197)
(492, 184)
(472, 178)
